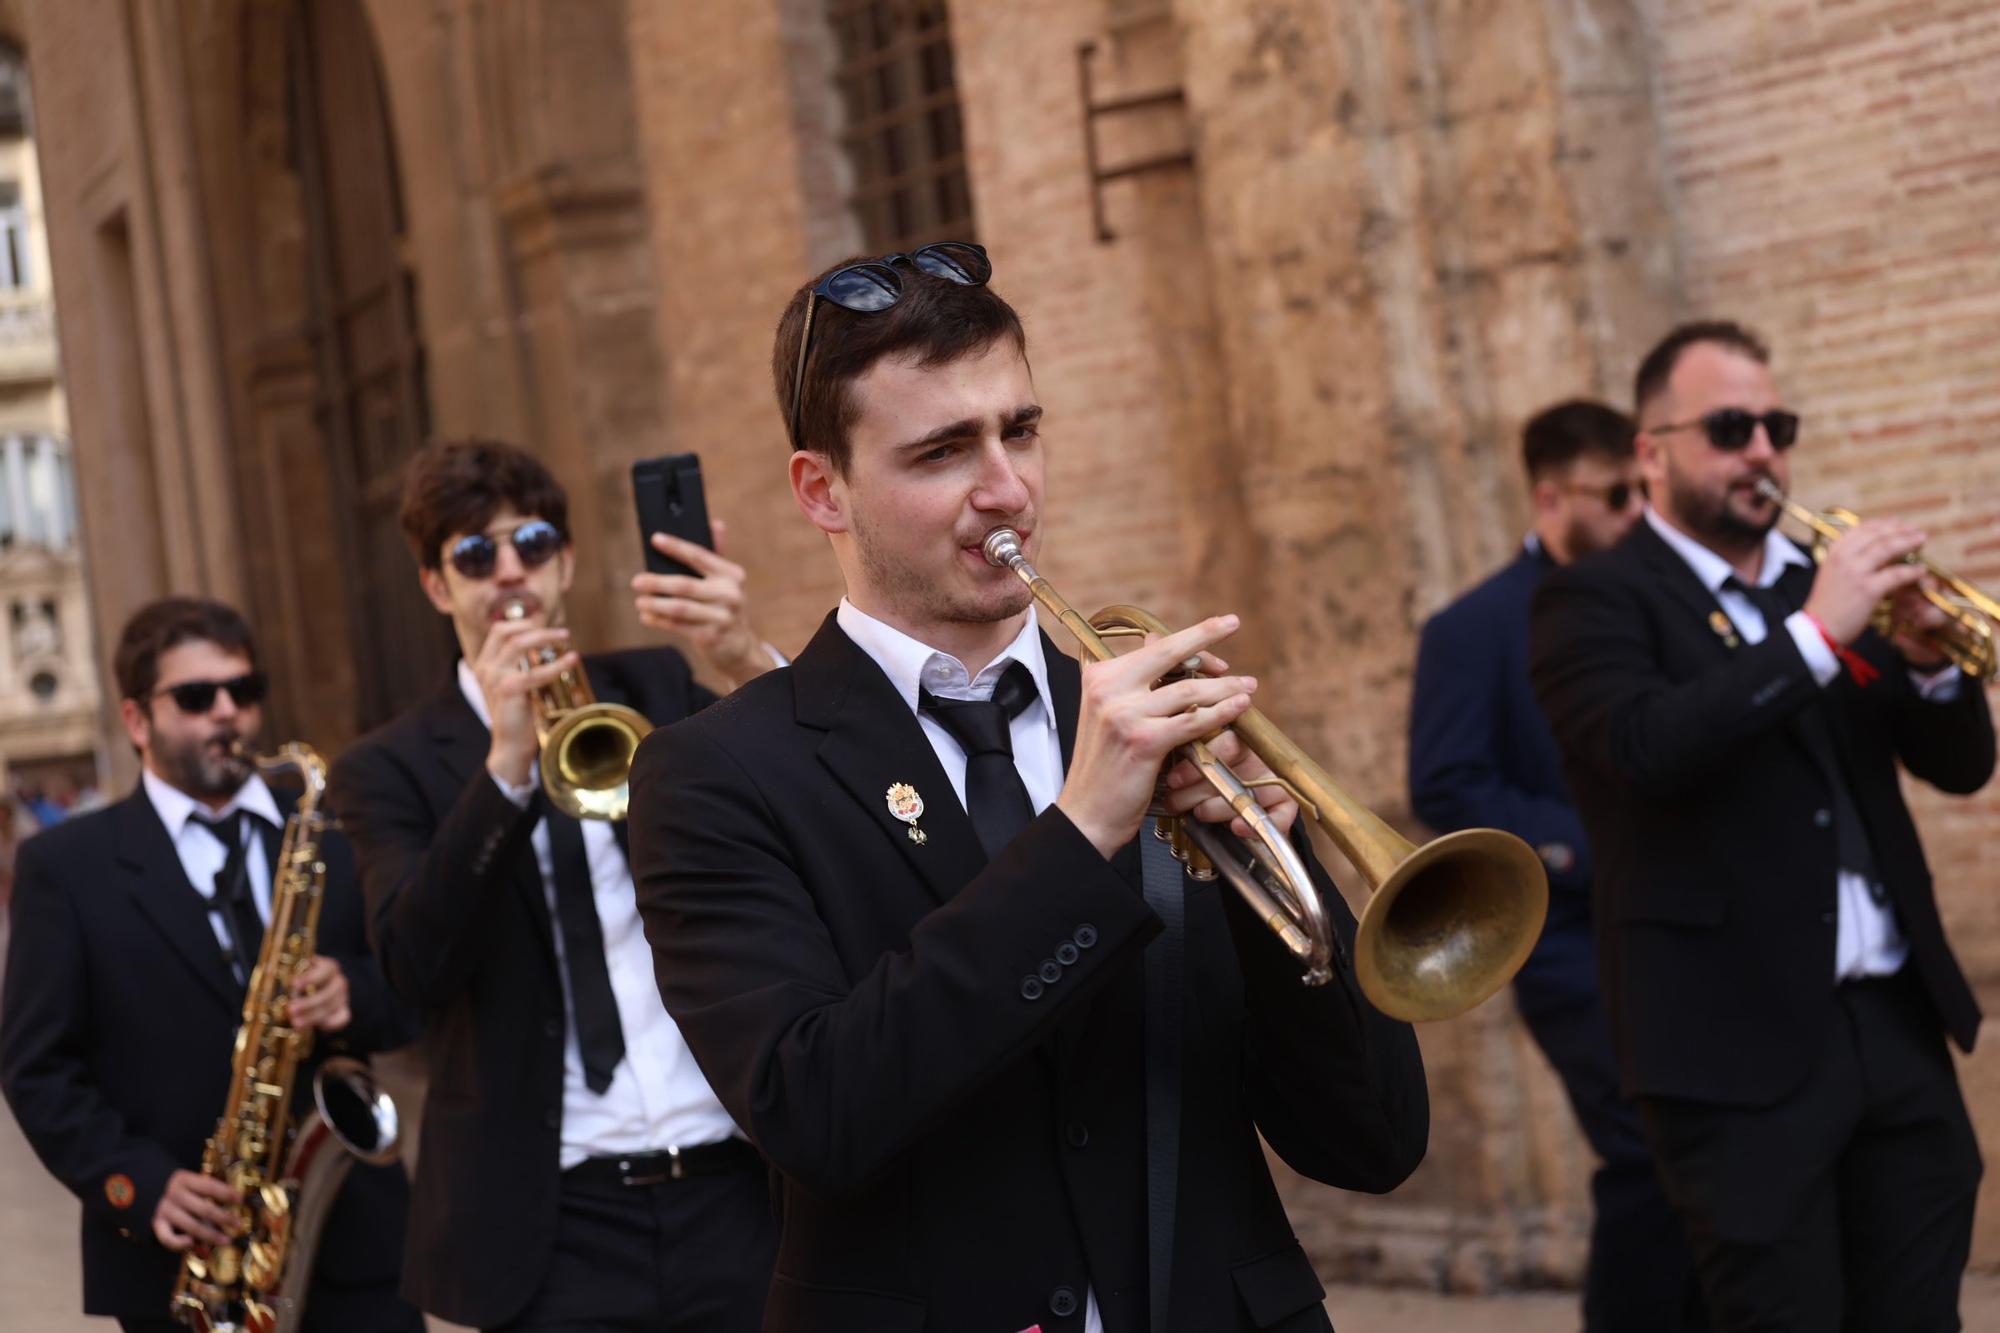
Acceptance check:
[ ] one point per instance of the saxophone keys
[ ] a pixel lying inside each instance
(226, 1264)
(259, 1318)
(261, 1265)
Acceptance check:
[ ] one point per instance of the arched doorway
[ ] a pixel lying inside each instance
(371, 405)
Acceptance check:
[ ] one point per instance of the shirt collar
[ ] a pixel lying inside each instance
(911, 664)
(175, 807)
(468, 685)
(1712, 569)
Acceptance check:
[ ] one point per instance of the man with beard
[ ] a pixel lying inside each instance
(1481, 757)
(134, 931)
(1778, 981)
(896, 898)
(577, 1172)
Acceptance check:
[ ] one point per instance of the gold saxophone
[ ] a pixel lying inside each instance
(286, 1173)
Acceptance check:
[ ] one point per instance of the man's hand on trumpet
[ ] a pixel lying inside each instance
(510, 692)
(1127, 728)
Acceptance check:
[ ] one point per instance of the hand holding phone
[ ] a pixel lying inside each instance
(667, 492)
(704, 601)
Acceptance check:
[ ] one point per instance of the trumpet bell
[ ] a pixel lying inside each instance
(1451, 925)
(587, 759)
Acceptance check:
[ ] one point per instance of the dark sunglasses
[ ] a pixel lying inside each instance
(874, 285)
(196, 697)
(1615, 496)
(476, 555)
(1731, 428)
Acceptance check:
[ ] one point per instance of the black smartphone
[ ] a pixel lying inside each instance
(667, 492)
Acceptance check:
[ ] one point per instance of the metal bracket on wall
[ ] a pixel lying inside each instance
(1092, 110)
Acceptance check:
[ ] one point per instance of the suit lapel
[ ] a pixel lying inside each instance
(873, 741)
(153, 878)
(1686, 590)
(460, 741)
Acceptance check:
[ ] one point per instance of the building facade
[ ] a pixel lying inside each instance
(1293, 271)
(51, 737)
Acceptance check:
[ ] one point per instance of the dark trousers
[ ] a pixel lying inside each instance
(330, 1308)
(1847, 1205)
(1641, 1276)
(679, 1256)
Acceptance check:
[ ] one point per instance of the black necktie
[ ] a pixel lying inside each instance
(598, 1033)
(1850, 834)
(995, 796)
(232, 900)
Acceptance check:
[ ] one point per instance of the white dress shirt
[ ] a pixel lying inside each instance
(201, 851)
(909, 664)
(658, 1097)
(1867, 941)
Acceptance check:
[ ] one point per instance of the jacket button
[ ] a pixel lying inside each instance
(1822, 817)
(1031, 988)
(1066, 953)
(1826, 918)
(1075, 1134)
(1085, 936)
(552, 1118)
(1051, 971)
(552, 1027)
(1062, 1302)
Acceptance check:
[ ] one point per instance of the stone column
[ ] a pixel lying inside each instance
(1424, 221)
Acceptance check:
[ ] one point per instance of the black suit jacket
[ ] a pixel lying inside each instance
(1481, 756)
(462, 927)
(1711, 820)
(962, 1145)
(116, 1028)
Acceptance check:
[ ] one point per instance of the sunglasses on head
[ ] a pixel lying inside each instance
(873, 285)
(476, 555)
(1732, 428)
(195, 697)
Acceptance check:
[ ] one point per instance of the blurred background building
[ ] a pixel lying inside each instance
(50, 732)
(1294, 271)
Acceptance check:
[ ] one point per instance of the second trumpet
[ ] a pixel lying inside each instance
(587, 744)
(1449, 922)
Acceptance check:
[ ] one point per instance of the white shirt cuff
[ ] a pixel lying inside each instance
(1938, 685)
(520, 795)
(1813, 647)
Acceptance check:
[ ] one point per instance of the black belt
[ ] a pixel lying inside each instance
(668, 1164)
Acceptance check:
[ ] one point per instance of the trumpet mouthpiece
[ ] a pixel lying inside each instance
(1769, 489)
(1002, 547)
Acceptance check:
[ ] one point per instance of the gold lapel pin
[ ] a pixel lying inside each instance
(1724, 627)
(906, 805)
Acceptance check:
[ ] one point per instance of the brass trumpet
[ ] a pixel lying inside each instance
(1966, 637)
(587, 745)
(1448, 923)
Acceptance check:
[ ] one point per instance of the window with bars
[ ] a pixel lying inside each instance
(903, 132)
(14, 274)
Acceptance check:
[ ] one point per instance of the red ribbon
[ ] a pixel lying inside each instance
(1859, 668)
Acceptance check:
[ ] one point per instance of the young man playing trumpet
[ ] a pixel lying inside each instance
(894, 893)
(575, 1169)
